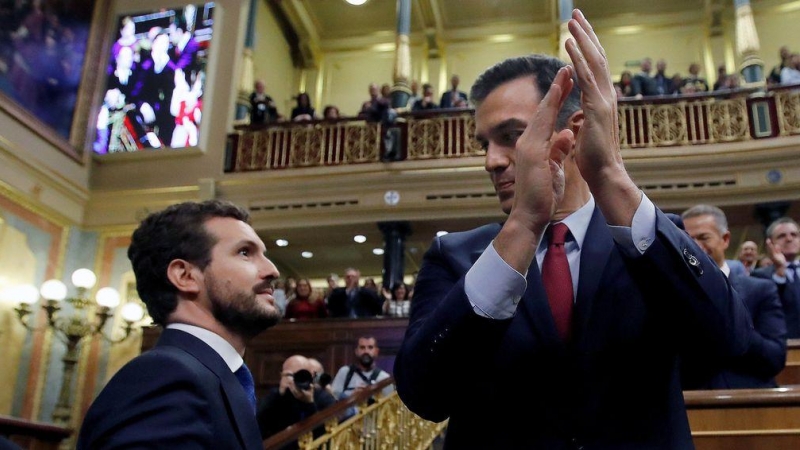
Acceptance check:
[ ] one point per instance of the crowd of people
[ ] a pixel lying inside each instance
(605, 305)
(296, 299)
(263, 109)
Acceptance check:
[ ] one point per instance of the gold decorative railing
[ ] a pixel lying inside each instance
(386, 424)
(697, 119)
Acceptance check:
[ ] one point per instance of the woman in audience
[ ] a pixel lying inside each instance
(398, 302)
(625, 86)
(303, 306)
(303, 110)
(330, 112)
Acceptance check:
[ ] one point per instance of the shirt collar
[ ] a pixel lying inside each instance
(726, 269)
(577, 222)
(215, 341)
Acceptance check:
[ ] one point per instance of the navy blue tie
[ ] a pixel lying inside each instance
(246, 380)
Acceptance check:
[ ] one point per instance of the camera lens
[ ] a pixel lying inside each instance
(303, 379)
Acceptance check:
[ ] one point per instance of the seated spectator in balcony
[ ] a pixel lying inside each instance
(386, 92)
(262, 107)
(722, 75)
(353, 301)
(414, 94)
(304, 305)
(376, 108)
(370, 284)
(450, 99)
(625, 84)
(330, 112)
(694, 82)
(790, 74)
(766, 354)
(333, 283)
(303, 111)
(296, 398)
(643, 85)
(731, 82)
(775, 74)
(677, 83)
(427, 102)
(397, 302)
(663, 81)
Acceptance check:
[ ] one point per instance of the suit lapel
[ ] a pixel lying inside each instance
(597, 247)
(244, 422)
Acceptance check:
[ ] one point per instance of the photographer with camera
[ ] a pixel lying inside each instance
(355, 377)
(296, 398)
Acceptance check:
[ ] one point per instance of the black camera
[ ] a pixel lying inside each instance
(324, 379)
(303, 379)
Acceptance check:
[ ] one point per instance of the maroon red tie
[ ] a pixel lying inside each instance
(558, 280)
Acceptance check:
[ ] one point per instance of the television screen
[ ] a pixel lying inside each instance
(155, 80)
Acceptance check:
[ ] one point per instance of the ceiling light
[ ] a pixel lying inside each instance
(356, 2)
(441, 233)
(360, 238)
(281, 242)
(307, 255)
(377, 251)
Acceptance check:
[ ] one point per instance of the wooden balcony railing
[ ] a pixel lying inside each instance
(697, 119)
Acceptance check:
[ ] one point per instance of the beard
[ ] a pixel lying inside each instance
(366, 360)
(240, 312)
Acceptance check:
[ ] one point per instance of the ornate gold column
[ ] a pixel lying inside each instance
(402, 57)
(246, 80)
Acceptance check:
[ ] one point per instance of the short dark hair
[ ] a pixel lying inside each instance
(782, 220)
(177, 232)
(541, 67)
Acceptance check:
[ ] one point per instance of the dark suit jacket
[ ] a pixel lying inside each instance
(448, 99)
(766, 356)
(790, 300)
(643, 84)
(367, 303)
(179, 395)
(276, 411)
(513, 384)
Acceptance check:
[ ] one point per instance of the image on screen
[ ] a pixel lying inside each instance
(155, 80)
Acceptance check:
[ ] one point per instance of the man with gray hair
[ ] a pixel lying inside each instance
(352, 300)
(783, 248)
(766, 355)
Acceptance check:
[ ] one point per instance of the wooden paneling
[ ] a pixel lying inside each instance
(745, 419)
(790, 375)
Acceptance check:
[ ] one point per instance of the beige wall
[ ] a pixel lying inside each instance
(272, 60)
(776, 27)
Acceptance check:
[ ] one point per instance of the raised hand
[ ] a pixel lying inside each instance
(597, 152)
(540, 154)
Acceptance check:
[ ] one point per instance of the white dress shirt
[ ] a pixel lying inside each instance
(224, 348)
(494, 288)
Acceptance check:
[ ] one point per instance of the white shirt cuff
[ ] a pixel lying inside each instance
(637, 238)
(493, 287)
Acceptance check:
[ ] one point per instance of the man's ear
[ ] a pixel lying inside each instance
(185, 276)
(575, 122)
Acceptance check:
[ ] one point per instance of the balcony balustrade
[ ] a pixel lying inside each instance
(698, 119)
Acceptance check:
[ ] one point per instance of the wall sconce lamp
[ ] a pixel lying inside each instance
(86, 319)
